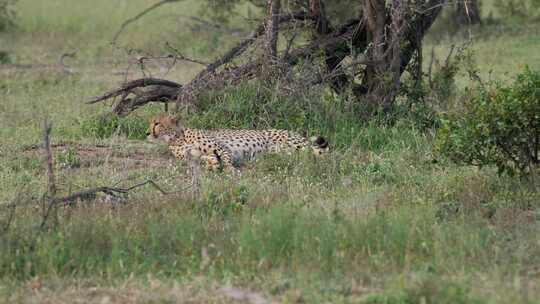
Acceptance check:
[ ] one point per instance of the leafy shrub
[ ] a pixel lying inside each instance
(500, 126)
(104, 126)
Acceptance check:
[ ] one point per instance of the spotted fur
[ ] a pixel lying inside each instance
(227, 147)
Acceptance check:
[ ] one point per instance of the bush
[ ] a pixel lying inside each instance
(500, 126)
(421, 101)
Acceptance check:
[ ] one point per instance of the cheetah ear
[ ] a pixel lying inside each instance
(176, 122)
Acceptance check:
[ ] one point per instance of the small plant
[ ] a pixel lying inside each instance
(104, 126)
(500, 126)
(222, 203)
(68, 158)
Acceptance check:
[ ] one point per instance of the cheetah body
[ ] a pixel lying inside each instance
(227, 147)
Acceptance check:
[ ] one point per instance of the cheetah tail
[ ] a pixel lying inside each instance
(319, 145)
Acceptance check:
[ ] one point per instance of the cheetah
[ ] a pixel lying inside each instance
(227, 148)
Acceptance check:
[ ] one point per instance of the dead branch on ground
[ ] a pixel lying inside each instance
(89, 194)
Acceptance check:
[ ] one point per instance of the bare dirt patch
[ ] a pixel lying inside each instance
(128, 155)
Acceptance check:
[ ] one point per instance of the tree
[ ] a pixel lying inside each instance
(380, 42)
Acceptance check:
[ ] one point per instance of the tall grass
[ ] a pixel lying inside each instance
(171, 240)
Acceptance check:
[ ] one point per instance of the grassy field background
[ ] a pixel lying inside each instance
(377, 221)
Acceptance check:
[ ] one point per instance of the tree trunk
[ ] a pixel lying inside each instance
(395, 34)
(318, 14)
(272, 31)
(377, 76)
(468, 12)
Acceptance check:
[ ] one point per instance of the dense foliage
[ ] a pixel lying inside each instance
(500, 126)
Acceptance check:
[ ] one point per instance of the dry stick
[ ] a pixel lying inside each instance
(90, 193)
(179, 55)
(51, 186)
(213, 26)
(68, 200)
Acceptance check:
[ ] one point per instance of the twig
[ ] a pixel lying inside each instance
(179, 55)
(51, 186)
(12, 206)
(213, 26)
(242, 46)
(113, 191)
(289, 45)
(449, 56)
(140, 15)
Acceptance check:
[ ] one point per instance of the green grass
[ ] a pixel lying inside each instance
(381, 219)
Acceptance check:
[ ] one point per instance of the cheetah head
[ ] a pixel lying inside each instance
(164, 127)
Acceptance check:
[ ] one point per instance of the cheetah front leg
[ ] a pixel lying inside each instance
(218, 158)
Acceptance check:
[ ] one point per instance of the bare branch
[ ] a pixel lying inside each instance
(127, 87)
(179, 55)
(51, 186)
(113, 191)
(243, 45)
(140, 15)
